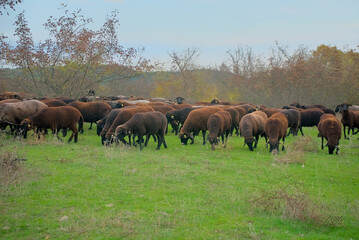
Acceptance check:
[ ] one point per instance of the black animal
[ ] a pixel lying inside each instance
(176, 118)
(293, 117)
(309, 118)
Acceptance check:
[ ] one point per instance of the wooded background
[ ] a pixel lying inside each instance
(75, 59)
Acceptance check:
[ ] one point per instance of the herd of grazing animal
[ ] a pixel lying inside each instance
(124, 119)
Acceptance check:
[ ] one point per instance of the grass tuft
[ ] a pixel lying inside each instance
(10, 167)
(291, 203)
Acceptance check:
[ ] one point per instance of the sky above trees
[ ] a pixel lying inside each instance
(212, 26)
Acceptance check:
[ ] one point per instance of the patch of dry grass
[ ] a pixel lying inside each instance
(292, 203)
(295, 152)
(10, 167)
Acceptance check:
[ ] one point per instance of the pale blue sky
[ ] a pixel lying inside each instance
(212, 26)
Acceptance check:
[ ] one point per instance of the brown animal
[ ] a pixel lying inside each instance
(162, 108)
(124, 116)
(52, 102)
(55, 118)
(235, 116)
(144, 124)
(248, 107)
(251, 127)
(219, 125)
(275, 129)
(180, 106)
(92, 111)
(330, 128)
(196, 122)
(65, 100)
(270, 111)
(241, 111)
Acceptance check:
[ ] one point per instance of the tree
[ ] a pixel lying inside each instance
(8, 3)
(184, 63)
(74, 58)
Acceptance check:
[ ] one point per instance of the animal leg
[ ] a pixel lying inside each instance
(322, 142)
(301, 130)
(154, 137)
(64, 132)
(90, 126)
(345, 136)
(283, 142)
(164, 141)
(348, 132)
(57, 135)
(226, 139)
(147, 139)
(140, 137)
(237, 129)
(159, 141)
(72, 135)
(255, 144)
(204, 136)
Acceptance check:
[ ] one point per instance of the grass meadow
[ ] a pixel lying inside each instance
(58, 190)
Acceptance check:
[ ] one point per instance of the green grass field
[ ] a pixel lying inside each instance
(87, 191)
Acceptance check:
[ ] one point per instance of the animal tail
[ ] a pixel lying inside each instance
(81, 124)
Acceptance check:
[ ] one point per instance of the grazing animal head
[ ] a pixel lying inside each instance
(184, 138)
(273, 145)
(121, 132)
(213, 140)
(25, 126)
(249, 142)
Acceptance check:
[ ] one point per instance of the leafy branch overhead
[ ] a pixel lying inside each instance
(74, 58)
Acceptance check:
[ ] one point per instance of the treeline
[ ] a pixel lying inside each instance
(75, 59)
(326, 76)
